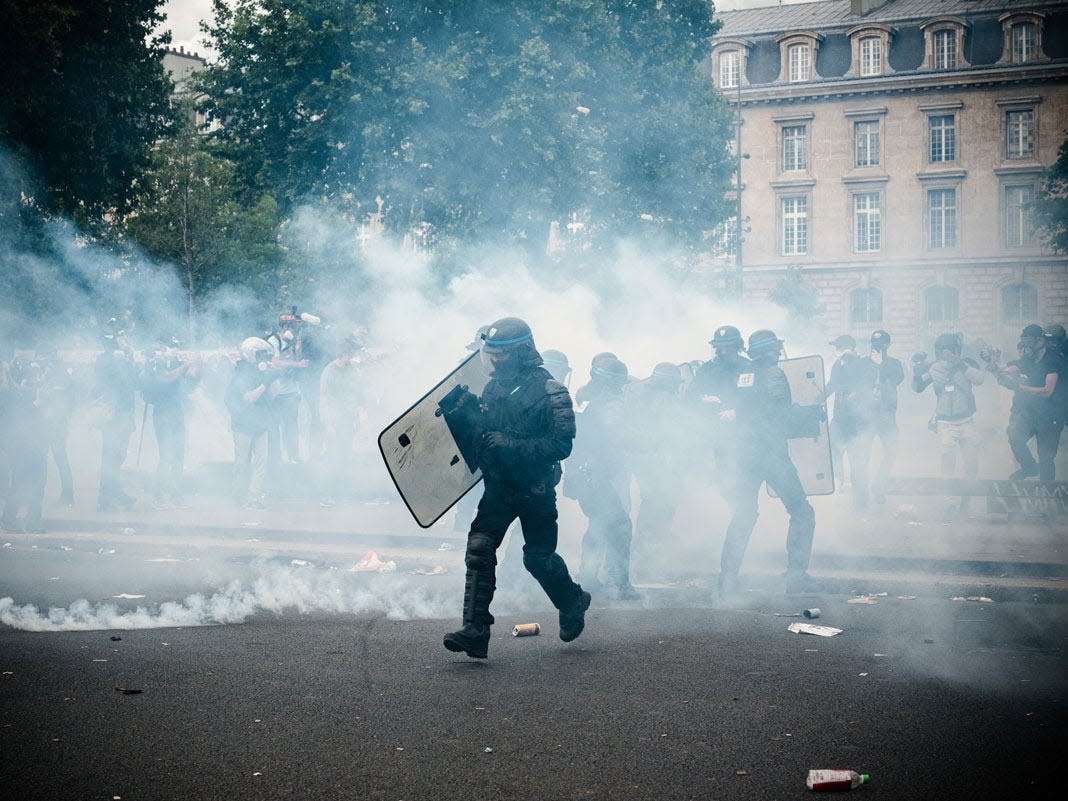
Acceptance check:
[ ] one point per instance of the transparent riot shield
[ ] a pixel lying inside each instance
(430, 450)
(809, 441)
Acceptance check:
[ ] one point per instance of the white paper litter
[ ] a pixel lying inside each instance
(811, 628)
(127, 596)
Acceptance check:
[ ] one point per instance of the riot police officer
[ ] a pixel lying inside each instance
(889, 374)
(762, 425)
(712, 395)
(528, 428)
(599, 479)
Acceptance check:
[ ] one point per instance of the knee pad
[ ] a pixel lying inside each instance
(481, 552)
(537, 564)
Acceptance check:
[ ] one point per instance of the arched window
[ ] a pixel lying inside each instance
(1024, 42)
(945, 49)
(1019, 303)
(865, 306)
(942, 304)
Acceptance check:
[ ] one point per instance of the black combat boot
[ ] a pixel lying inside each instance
(573, 617)
(473, 638)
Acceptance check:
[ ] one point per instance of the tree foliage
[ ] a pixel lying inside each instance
(83, 95)
(188, 214)
(1052, 205)
(482, 119)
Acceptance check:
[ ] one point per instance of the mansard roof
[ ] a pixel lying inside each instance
(836, 14)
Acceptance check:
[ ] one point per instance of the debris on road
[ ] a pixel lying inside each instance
(128, 691)
(977, 598)
(125, 596)
(487, 750)
(862, 599)
(115, 638)
(526, 630)
(372, 564)
(300, 562)
(835, 779)
(811, 614)
(811, 628)
(426, 570)
(446, 546)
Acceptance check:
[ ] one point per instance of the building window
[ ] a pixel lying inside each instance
(1019, 303)
(725, 238)
(867, 222)
(865, 306)
(795, 225)
(794, 148)
(941, 218)
(944, 43)
(943, 138)
(1019, 220)
(942, 304)
(866, 143)
(729, 69)
(1020, 134)
(800, 62)
(1024, 42)
(871, 55)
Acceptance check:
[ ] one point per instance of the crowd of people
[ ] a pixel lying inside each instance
(268, 385)
(738, 412)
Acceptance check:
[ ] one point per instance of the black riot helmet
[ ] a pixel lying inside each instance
(608, 369)
(764, 345)
(508, 348)
(666, 377)
(556, 363)
(880, 340)
(1032, 338)
(727, 341)
(1056, 337)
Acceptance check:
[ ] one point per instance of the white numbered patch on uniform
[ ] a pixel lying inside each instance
(745, 380)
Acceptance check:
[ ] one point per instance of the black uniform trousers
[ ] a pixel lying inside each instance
(1047, 434)
(775, 467)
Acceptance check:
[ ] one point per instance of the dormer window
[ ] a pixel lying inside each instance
(798, 56)
(728, 63)
(1023, 37)
(871, 45)
(944, 43)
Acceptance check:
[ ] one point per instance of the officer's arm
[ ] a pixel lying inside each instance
(1043, 391)
(555, 445)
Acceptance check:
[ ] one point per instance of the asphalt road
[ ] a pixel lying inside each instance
(934, 698)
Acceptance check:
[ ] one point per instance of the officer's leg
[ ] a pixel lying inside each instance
(744, 493)
(1019, 433)
(1048, 437)
(537, 515)
(618, 536)
(495, 513)
(784, 480)
(888, 442)
(58, 445)
(37, 473)
(593, 546)
(948, 442)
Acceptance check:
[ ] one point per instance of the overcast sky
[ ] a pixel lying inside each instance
(183, 19)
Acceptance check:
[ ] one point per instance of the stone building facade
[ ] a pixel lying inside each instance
(889, 153)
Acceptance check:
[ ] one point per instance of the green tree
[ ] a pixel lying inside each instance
(1052, 204)
(188, 214)
(480, 119)
(83, 95)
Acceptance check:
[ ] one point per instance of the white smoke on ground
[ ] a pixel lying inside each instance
(276, 589)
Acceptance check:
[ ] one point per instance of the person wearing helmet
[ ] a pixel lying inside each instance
(57, 401)
(598, 478)
(27, 446)
(1037, 408)
(889, 374)
(168, 378)
(659, 440)
(528, 429)
(287, 345)
(248, 401)
(115, 386)
(759, 429)
(557, 365)
(953, 380)
(853, 385)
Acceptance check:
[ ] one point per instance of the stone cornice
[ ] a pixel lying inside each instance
(833, 88)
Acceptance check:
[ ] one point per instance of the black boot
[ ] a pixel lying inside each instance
(573, 617)
(473, 638)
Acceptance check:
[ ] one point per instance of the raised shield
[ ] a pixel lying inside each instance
(809, 441)
(429, 450)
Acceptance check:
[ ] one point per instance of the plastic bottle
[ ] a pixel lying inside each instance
(836, 779)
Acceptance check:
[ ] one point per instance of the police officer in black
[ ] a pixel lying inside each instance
(712, 395)
(852, 383)
(1034, 377)
(528, 427)
(889, 374)
(762, 424)
(598, 477)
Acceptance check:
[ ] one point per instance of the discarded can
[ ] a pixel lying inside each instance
(526, 630)
(811, 614)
